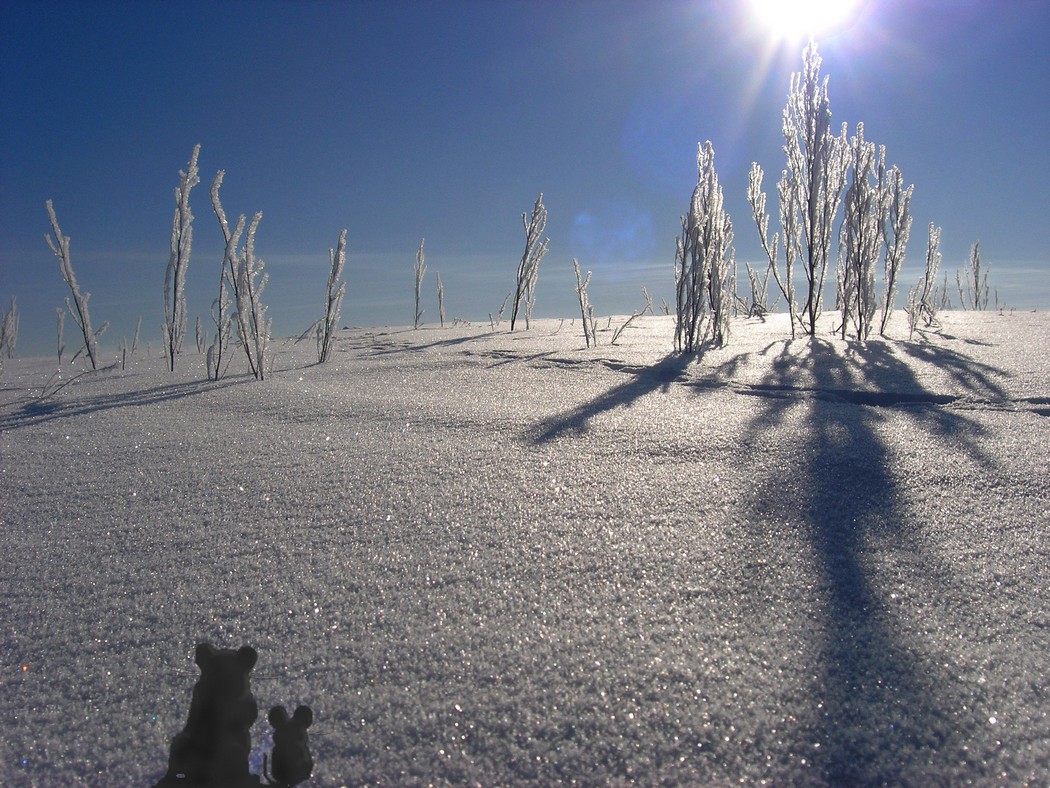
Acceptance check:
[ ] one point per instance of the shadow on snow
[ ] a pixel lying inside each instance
(43, 410)
(884, 710)
(641, 381)
(887, 713)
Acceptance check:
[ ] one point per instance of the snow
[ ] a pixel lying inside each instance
(498, 558)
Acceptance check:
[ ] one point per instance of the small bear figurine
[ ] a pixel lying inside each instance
(214, 746)
(291, 754)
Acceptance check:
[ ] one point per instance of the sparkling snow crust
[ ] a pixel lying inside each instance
(496, 558)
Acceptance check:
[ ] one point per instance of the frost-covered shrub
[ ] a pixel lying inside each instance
(495, 321)
(127, 352)
(586, 310)
(60, 314)
(327, 326)
(243, 273)
(252, 323)
(420, 270)
(757, 304)
(529, 267)
(704, 261)
(178, 261)
(59, 245)
(440, 298)
(218, 357)
(757, 200)
(896, 229)
(973, 285)
(860, 235)
(8, 331)
(923, 301)
(876, 217)
(810, 189)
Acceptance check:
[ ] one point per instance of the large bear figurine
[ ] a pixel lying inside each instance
(214, 746)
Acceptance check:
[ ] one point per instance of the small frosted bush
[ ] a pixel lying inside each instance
(973, 284)
(8, 331)
(420, 270)
(529, 267)
(327, 326)
(59, 245)
(876, 218)
(923, 298)
(242, 273)
(586, 310)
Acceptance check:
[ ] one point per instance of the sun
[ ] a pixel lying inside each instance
(793, 20)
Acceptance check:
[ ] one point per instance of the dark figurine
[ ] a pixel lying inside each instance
(291, 754)
(214, 746)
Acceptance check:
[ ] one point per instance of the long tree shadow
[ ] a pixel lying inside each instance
(382, 343)
(886, 712)
(640, 381)
(387, 342)
(34, 411)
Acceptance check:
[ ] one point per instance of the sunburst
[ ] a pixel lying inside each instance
(793, 20)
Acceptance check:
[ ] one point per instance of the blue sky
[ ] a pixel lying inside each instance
(444, 120)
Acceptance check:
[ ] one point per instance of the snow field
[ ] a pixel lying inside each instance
(502, 558)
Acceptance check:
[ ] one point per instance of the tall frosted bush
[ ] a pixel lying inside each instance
(757, 200)
(922, 299)
(251, 313)
(811, 187)
(221, 315)
(327, 326)
(178, 260)
(972, 283)
(703, 260)
(586, 310)
(60, 247)
(896, 230)
(440, 297)
(243, 274)
(529, 267)
(861, 235)
(420, 270)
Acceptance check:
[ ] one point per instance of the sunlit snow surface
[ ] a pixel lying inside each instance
(499, 558)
